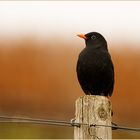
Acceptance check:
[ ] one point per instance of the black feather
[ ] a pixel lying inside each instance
(95, 69)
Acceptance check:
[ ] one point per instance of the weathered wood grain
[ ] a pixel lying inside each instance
(93, 110)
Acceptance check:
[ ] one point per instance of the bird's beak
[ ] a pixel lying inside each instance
(82, 36)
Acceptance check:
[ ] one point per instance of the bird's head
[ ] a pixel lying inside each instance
(93, 39)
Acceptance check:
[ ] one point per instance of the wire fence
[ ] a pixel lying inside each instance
(72, 123)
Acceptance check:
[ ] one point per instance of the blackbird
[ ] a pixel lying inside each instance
(95, 70)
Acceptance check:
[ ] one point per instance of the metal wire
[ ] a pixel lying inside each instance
(7, 119)
(117, 127)
(36, 121)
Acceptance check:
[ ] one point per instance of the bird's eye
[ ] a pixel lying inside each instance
(93, 37)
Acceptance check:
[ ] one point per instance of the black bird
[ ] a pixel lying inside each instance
(95, 70)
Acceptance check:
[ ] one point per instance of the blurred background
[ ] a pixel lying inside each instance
(38, 55)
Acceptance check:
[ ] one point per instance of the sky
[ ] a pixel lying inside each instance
(115, 19)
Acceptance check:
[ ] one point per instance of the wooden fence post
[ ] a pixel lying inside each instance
(90, 110)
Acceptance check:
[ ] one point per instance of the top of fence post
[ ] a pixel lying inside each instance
(93, 110)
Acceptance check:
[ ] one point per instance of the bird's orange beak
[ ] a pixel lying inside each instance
(82, 36)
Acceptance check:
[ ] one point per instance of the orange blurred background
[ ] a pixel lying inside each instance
(39, 80)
